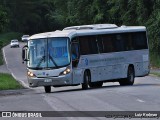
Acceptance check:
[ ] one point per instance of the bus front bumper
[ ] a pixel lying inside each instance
(50, 81)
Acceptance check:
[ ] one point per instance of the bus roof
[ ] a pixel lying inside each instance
(56, 33)
(69, 32)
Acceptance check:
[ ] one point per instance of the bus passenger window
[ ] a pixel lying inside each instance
(129, 43)
(108, 45)
(140, 40)
(120, 42)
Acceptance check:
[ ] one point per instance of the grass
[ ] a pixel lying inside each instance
(5, 39)
(154, 60)
(155, 73)
(8, 82)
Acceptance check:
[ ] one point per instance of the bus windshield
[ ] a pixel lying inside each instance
(48, 53)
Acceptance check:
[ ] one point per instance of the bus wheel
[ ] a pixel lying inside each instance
(86, 80)
(47, 89)
(130, 77)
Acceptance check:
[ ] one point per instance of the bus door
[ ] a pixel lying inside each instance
(75, 54)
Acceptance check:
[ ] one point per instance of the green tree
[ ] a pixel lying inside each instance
(31, 16)
(153, 24)
(4, 20)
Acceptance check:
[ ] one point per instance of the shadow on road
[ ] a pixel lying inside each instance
(68, 90)
(104, 87)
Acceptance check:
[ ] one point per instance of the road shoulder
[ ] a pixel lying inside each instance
(4, 69)
(4, 93)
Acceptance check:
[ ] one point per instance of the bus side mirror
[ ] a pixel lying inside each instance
(24, 53)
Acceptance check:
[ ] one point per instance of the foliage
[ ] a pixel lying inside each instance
(155, 74)
(154, 60)
(3, 19)
(5, 39)
(30, 16)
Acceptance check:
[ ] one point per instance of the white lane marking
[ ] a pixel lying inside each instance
(13, 75)
(139, 100)
(51, 103)
(4, 56)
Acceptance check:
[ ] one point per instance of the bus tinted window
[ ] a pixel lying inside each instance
(124, 42)
(100, 44)
(129, 42)
(84, 45)
(140, 41)
(88, 45)
(108, 44)
(120, 42)
(113, 43)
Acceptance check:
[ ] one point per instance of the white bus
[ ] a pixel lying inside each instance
(88, 55)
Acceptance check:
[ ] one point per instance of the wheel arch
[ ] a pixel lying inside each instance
(88, 71)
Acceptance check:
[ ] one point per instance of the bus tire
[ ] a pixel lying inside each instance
(86, 80)
(130, 77)
(47, 89)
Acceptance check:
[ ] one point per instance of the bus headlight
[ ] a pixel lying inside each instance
(30, 74)
(66, 71)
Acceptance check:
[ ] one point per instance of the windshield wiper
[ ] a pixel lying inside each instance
(42, 58)
(50, 57)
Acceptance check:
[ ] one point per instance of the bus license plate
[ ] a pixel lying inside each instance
(48, 80)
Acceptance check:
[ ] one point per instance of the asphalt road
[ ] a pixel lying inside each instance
(144, 95)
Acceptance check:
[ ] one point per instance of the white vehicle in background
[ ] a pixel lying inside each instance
(88, 55)
(14, 43)
(25, 38)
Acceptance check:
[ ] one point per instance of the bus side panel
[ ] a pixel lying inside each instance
(103, 73)
(115, 65)
(77, 75)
